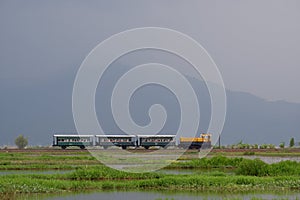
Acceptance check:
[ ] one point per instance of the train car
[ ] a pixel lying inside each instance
(65, 141)
(148, 141)
(123, 141)
(204, 141)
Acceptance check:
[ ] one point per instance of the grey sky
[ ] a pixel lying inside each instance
(254, 43)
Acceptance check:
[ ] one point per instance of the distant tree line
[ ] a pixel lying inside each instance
(241, 145)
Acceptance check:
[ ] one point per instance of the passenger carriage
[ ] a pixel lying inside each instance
(148, 141)
(65, 141)
(123, 141)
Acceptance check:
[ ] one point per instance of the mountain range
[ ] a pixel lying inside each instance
(41, 110)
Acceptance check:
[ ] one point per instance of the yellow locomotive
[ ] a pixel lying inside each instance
(204, 141)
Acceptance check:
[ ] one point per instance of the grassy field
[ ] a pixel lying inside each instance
(88, 174)
(71, 159)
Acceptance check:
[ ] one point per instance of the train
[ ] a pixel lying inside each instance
(135, 141)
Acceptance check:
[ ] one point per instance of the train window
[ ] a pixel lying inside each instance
(83, 140)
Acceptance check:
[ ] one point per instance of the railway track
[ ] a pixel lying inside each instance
(50, 150)
(42, 150)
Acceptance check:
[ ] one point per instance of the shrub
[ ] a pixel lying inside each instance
(271, 146)
(254, 167)
(281, 145)
(285, 168)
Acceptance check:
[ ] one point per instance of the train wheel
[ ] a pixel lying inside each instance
(82, 147)
(63, 147)
(146, 147)
(124, 147)
(105, 147)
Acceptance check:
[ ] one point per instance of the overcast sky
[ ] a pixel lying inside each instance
(255, 44)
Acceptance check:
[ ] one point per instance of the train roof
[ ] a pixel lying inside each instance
(156, 135)
(115, 135)
(66, 135)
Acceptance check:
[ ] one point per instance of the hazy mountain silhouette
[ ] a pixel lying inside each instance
(42, 110)
(249, 118)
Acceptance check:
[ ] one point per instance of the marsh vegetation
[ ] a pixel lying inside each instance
(217, 173)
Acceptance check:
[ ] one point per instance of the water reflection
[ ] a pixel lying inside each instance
(160, 195)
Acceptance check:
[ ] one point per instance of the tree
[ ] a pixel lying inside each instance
(292, 142)
(21, 142)
(281, 145)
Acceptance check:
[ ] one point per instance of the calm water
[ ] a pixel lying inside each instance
(159, 195)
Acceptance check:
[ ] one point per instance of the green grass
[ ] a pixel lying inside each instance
(242, 166)
(108, 179)
(89, 174)
(106, 173)
(45, 161)
(208, 163)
